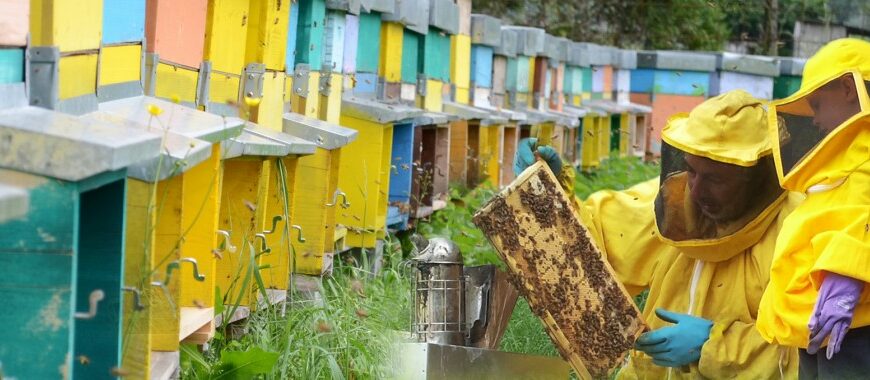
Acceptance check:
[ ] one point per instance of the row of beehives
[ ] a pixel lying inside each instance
(166, 147)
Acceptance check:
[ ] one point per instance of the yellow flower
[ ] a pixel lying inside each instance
(175, 98)
(154, 110)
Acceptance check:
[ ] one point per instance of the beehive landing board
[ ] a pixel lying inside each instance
(565, 278)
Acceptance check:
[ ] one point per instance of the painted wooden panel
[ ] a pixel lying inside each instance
(14, 22)
(173, 81)
(461, 95)
(491, 153)
(268, 21)
(226, 34)
(531, 76)
(224, 89)
(587, 79)
(52, 24)
(511, 138)
(681, 82)
(604, 137)
(139, 247)
(11, 65)
(433, 100)
(598, 79)
(625, 131)
(622, 85)
(785, 85)
(330, 106)
(663, 106)
(369, 51)
(199, 217)
(309, 37)
(384, 178)
(123, 21)
(411, 64)
(539, 81)
(292, 36)
(332, 234)
(589, 143)
(458, 151)
(441, 182)
(460, 60)
(366, 83)
(402, 170)
(36, 257)
(517, 76)
(499, 75)
(642, 80)
(333, 41)
(481, 65)
(119, 64)
(277, 276)
(758, 86)
(607, 79)
(78, 75)
(365, 177)
(165, 322)
(310, 198)
(423, 189)
(243, 196)
(556, 138)
(472, 160)
(436, 60)
(351, 42)
(557, 79)
(272, 104)
(390, 65)
(645, 99)
(176, 30)
(100, 263)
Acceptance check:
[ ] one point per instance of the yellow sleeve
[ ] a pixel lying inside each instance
(843, 246)
(736, 349)
(624, 222)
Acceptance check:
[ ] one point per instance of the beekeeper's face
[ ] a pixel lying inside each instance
(720, 191)
(834, 103)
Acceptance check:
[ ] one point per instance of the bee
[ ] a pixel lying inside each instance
(84, 360)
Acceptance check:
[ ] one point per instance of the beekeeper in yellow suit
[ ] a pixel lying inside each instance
(700, 238)
(816, 295)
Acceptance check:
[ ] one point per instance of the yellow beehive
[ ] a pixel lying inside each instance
(317, 195)
(460, 66)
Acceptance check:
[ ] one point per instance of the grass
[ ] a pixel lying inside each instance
(348, 332)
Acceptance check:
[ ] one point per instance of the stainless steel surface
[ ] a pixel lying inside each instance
(42, 76)
(435, 362)
(748, 64)
(323, 134)
(551, 48)
(625, 59)
(578, 54)
(177, 153)
(576, 111)
(414, 14)
(485, 30)
(178, 119)
(530, 41)
(507, 45)
(378, 112)
(511, 115)
(444, 15)
(14, 202)
(119, 91)
(676, 60)
(608, 106)
(251, 144)
(487, 117)
(439, 294)
(349, 6)
(383, 6)
(565, 119)
(295, 144)
(62, 146)
(432, 118)
(478, 282)
(791, 66)
(600, 55)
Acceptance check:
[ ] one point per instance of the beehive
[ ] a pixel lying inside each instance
(565, 278)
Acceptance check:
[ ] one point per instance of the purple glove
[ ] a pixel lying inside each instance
(833, 312)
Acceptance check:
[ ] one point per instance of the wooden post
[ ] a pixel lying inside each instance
(556, 266)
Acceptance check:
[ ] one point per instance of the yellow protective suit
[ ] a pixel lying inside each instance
(721, 279)
(830, 231)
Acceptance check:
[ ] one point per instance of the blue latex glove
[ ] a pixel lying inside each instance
(833, 313)
(677, 345)
(525, 156)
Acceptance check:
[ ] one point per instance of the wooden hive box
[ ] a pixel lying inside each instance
(566, 279)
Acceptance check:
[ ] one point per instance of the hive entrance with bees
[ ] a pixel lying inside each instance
(566, 279)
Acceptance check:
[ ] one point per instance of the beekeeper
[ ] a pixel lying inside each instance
(821, 137)
(700, 238)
